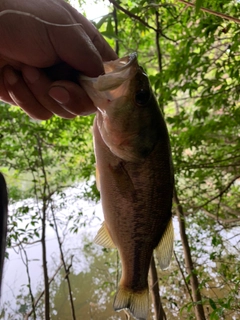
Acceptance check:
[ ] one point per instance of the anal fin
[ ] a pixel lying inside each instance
(136, 302)
(103, 238)
(164, 250)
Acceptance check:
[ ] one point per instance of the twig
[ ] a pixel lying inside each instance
(196, 295)
(43, 239)
(131, 15)
(154, 287)
(43, 292)
(159, 55)
(220, 220)
(115, 18)
(219, 194)
(183, 276)
(134, 16)
(231, 211)
(26, 263)
(66, 269)
(215, 13)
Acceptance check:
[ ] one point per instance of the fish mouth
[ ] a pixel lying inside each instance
(120, 64)
(116, 73)
(114, 84)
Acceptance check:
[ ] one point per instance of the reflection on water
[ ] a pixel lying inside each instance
(93, 273)
(92, 288)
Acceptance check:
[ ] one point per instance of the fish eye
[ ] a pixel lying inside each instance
(142, 96)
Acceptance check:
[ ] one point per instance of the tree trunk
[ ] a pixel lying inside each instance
(154, 287)
(196, 295)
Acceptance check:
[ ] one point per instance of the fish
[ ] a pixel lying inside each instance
(134, 175)
(3, 222)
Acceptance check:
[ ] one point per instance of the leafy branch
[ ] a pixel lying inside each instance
(134, 16)
(215, 13)
(220, 220)
(220, 194)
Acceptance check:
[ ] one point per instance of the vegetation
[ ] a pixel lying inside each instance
(193, 61)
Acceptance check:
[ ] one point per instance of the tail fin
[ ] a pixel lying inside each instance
(135, 302)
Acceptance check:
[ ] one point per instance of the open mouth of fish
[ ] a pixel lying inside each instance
(110, 85)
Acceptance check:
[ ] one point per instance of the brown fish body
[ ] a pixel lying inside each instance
(136, 181)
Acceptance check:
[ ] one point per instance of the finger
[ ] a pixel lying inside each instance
(78, 50)
(4, 96)
(22, 96)
(84, 47)
(72, 98)
(105, 50)
(39, 84)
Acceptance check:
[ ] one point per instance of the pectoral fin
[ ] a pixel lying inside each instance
(164, 249)
(103, 238)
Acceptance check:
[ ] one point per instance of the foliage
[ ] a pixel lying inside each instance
(54, 150)
(193, 63)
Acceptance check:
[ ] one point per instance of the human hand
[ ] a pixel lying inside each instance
(39, 63)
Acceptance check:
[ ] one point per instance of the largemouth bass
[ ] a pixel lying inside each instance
(135, 177)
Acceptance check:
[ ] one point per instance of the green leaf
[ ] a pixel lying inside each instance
(198, 4)
(212, 304)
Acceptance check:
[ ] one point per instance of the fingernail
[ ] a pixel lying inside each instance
(11, 77)
(59, 94)
(31, 74)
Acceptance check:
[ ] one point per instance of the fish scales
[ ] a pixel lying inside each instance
(147, 210)
(133, 159)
